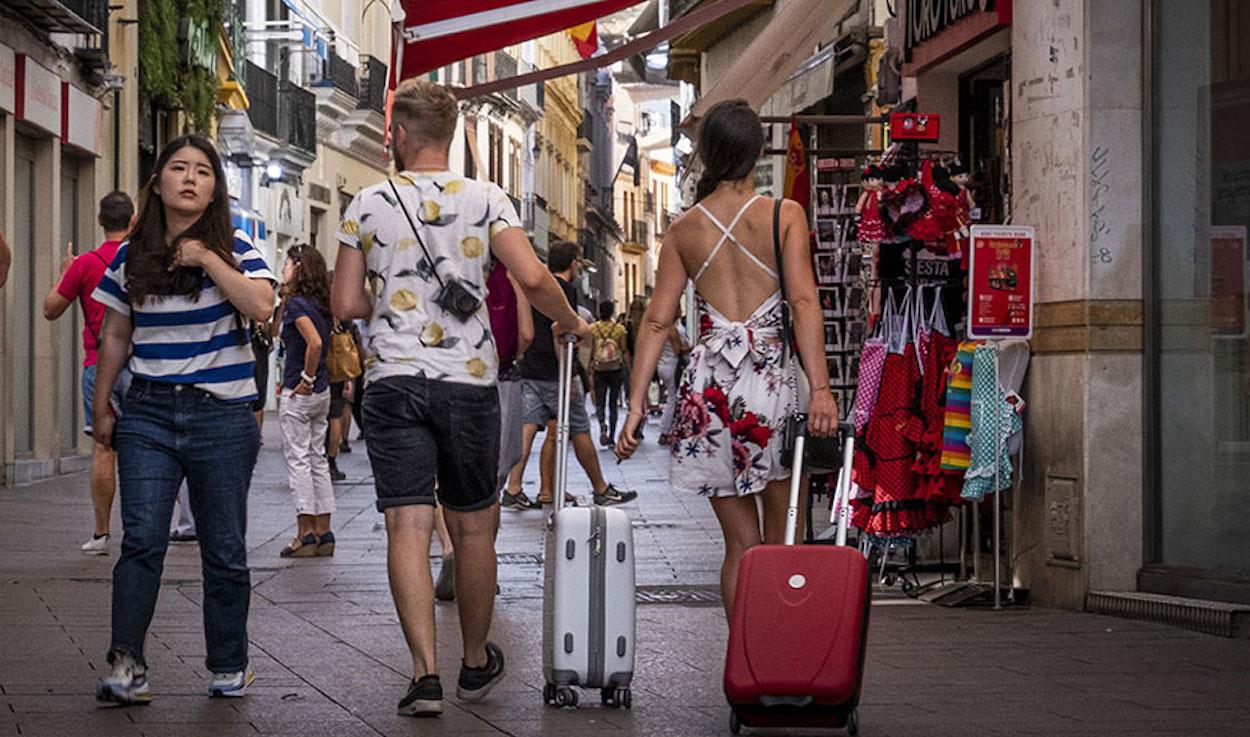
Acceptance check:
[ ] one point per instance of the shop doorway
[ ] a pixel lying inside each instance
(985, 137)
(22, 282)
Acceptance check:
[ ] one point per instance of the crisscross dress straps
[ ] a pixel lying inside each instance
(727, 235)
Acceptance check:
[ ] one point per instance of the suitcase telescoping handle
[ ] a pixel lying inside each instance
(847, 433)
(563, 405)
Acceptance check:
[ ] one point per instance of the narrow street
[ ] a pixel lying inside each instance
(331, 662)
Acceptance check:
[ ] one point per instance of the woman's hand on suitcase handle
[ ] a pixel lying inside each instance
(628, 441)
(822, 414)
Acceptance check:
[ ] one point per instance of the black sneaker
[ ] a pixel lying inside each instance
(475, 683)
(335, 474)
(518, 501)
(612, 495)
(424, 698)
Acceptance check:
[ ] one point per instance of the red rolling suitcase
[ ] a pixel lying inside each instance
(800, 622)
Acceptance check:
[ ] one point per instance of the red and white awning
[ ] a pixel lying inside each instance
(436, 33)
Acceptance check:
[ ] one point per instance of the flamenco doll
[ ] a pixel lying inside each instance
(960, 177)
(872, 231)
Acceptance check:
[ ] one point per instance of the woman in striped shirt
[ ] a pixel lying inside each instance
(179, 294)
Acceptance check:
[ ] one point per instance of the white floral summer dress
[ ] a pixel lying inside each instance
(734, 398)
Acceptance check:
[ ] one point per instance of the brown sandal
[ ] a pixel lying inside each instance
(305, 547)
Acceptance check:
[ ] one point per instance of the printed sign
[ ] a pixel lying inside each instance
(38, 95)
(1228, 281)
(1000, 284)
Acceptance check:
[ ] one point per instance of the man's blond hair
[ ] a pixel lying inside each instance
(428, 111)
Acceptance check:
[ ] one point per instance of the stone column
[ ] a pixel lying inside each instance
(1076, 176)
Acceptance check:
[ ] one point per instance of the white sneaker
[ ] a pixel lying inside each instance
(231, 684)
(128, 683)
(96, 545)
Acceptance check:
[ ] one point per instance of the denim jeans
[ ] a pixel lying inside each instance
(168, 433)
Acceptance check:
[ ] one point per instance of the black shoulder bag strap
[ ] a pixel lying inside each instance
(787, 332)
(94, 334)
(416, 234)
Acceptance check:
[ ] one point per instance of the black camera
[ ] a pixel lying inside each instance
(457, 299)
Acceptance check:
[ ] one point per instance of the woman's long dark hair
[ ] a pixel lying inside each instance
(311, 280)
(731, 140)
(148, 256)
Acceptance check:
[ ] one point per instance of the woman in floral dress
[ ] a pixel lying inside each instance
(741, 383)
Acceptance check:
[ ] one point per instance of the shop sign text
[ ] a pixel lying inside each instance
(926, 18)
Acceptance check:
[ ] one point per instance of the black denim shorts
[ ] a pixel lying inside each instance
(419, 431)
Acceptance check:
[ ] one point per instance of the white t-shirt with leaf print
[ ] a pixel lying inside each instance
(410, 335)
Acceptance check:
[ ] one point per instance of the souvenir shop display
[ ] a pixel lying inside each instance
(936, 417)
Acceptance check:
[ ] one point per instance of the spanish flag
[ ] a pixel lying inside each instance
(798, 180)
(585, 38)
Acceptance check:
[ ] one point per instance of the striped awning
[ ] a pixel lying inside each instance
(440, 32)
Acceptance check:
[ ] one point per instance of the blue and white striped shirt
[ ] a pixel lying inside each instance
(179, 341)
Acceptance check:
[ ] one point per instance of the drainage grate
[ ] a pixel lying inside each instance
(533, 559)
(705, 595)
(1210, 617)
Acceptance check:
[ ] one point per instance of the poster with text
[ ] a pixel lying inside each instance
(1228, 280)
(1000, 285)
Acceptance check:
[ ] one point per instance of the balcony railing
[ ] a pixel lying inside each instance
(235, 12)
(648, 202)
(373, 85)
(340, 75)
(262, 92)
(297, 111)
(88, 17)
(639, 233)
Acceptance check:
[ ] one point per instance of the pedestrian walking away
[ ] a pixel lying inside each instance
(540, 379)
(608, 362)
(668, 371)
(413, 259)
(512, 324)
(305, 409)
(741, 387)
(633, 321)
(80, 275)
(179, 293)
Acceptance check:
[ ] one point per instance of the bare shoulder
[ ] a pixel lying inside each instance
(688, 226)
(791, 210)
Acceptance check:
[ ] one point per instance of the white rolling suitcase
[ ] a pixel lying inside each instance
(588, 588)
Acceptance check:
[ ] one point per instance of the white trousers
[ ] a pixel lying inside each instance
(304, 421)
(666, 371)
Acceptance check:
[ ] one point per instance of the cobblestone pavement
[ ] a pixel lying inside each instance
(331, 661)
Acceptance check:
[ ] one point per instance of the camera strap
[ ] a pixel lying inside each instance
(417, 234)
(429, 257)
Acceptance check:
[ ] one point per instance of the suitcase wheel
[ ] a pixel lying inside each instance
(620, 698)
(564, 696)
(852, 723)
(735, 726)
(549, 693)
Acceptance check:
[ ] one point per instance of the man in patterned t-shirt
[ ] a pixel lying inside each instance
(431, 408)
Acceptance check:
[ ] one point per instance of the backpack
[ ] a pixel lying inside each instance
(501, 306)
(343, 358)
(607, 355)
